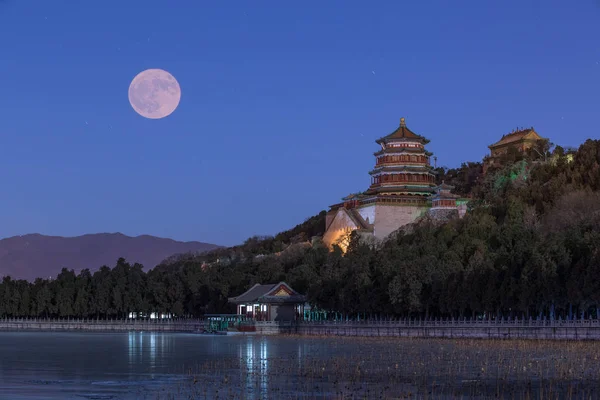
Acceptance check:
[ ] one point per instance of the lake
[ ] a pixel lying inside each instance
(144, 365)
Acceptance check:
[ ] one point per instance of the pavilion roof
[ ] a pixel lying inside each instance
(268, 294)
(444, 195)
(445, 186)
(296, 298)
(442, 191)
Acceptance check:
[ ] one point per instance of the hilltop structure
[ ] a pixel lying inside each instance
(519, 140)
(402, 189)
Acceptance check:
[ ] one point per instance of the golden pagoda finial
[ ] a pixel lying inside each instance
(402, 122)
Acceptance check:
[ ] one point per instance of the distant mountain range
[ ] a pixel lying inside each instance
(32, 256)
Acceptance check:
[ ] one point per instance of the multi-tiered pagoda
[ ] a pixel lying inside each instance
(402, 184)
(402, 169)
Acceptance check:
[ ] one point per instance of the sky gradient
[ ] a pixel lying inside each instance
(281, 103)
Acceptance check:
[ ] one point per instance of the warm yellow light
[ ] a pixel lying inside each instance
(343, 239)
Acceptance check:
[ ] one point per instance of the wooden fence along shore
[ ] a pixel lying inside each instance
(475, 329)
(108, 325)
(483, 329)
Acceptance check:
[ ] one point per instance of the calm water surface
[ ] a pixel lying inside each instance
(66, 365)
(136, 365)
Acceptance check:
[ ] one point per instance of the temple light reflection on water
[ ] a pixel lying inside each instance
(152, 351)
(254, 367)
(142, 351)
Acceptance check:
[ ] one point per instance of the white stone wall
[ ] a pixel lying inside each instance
(389, 218)
(367, 213)
(386, 219)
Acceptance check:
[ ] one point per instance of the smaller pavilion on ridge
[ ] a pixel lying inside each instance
(445, 204)
(272, 302)
(442, 198)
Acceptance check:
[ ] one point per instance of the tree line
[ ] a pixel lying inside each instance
(528, 246)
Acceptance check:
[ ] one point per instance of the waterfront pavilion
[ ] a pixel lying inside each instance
(272, 302)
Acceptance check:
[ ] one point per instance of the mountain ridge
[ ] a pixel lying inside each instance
(36, 255)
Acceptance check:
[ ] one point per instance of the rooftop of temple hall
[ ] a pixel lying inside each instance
(402, 133)
(517, 135)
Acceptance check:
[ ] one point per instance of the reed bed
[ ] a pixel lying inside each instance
(375, 368)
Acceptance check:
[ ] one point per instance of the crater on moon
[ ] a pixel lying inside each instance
(154, 93)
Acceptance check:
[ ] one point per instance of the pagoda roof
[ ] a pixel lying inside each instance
(528, 134)
(402, 133)
(403, 193)
(399, 168)
(399, 193)
(411, 150)
(403, 189)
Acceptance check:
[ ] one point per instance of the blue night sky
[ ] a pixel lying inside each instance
(281, 103)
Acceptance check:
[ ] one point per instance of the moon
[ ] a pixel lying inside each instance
(154, 93)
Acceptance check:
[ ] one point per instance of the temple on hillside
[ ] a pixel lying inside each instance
(519, 140)
(445, 204)
(402, 167)
(402, 189)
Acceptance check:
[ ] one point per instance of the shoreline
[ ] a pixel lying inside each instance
(89, 325)
(525, 329)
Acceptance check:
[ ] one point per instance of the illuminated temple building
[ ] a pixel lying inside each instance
(519, 140)
(402, 189)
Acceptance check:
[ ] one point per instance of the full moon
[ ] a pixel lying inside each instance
(154, 93)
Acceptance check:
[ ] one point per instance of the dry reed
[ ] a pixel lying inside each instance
(376, 368)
